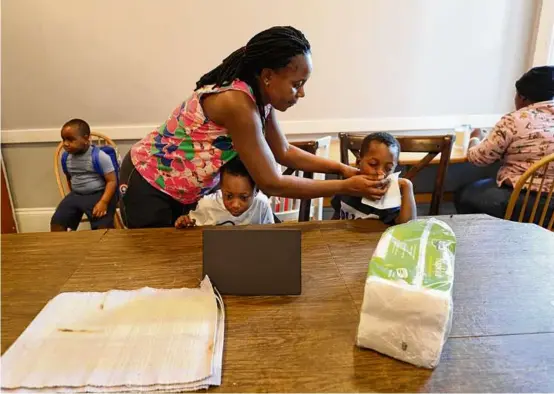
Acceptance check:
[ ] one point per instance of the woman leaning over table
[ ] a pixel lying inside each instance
(232, 112)
(519, 139)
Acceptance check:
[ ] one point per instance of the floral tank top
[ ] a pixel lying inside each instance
(183, 156)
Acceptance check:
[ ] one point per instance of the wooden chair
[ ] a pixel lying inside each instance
(97, 139)
(539, 170)
(432, 145)
(283, 208)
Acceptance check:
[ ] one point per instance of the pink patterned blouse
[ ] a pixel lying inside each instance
(183, 156)
(519, 139)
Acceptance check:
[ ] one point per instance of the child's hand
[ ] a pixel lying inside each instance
(184, 222)
(100, 209)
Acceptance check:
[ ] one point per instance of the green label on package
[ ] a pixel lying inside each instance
(419, 253)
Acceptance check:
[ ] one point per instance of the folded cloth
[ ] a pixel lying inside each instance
(407, 307)
(121, 341)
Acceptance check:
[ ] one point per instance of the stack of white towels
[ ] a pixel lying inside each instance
(143, 340)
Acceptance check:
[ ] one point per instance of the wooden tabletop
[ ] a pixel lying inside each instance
(412, 158)
(502, 336)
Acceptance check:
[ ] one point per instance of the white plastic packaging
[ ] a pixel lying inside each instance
(407, 307)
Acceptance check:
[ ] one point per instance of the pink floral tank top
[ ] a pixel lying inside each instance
(183, 156)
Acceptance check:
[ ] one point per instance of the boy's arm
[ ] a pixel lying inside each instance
(68, 177)
(408, 210)
(101, 207)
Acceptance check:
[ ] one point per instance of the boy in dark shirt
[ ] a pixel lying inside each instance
(378, 159)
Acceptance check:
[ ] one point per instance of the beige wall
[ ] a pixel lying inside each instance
(132, 61)
(129, 62)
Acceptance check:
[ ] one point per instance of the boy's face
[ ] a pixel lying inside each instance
(379, 161)
(73, 141)
(238, 193)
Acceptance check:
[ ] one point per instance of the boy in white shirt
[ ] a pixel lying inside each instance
(238, 202)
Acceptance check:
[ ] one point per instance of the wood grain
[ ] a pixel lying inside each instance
(307, 343)
(34, 268)
(503, 274)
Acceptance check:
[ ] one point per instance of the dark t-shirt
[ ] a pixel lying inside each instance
(348, 207)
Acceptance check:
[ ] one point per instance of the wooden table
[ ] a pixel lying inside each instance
(412, 158)
(502, 337)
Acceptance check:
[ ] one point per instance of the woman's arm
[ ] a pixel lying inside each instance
(291, 156)
(494, 145)
(236, 112)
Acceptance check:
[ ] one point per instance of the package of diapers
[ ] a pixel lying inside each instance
(407, 307)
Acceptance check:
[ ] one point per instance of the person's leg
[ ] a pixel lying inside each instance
(142, 205)
(483, 196)
(541, 206)
(67, 215)
(106, 221)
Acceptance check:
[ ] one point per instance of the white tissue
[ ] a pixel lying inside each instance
(391, 199)
(407, 307)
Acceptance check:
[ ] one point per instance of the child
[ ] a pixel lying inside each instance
(91, 193)
(378, 159)
(238, 202)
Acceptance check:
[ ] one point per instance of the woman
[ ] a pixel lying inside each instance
(519, 140)
(232, 112)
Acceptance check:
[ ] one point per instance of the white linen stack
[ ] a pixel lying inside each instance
(143, 340)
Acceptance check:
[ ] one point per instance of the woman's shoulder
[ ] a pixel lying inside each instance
(237, 88)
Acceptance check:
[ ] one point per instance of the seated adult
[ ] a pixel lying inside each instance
(232, 112)
(520, 139)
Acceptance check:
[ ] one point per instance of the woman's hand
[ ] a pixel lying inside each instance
(184, 222)
(348, 171)
(478, 133)
(364, 186)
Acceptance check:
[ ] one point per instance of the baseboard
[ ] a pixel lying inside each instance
(37, 220)
(294, 129)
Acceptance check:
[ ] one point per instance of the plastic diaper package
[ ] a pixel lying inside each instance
(407, 306)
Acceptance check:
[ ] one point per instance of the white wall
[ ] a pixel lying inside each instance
(130, 62)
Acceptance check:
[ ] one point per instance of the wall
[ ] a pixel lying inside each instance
(124, 65)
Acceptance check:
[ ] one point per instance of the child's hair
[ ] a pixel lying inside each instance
(236, 167)
(382, 138)
(80, 125)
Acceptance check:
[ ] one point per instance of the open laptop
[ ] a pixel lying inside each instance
(242, 261)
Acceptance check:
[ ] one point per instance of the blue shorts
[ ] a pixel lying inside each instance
(70, 211)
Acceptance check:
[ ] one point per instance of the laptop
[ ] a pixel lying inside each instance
(242, 261)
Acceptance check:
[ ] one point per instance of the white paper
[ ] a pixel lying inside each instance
(121, 341)
(392, 199)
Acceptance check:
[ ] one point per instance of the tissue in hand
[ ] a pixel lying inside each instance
(407, 307)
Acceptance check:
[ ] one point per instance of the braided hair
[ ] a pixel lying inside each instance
(272, 48)
(537, 84)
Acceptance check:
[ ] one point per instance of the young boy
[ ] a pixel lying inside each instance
(91, 193)
(378, 159)
(237, 202)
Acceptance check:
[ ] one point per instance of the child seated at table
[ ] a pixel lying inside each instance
(238, 202)
(378, 159)
(90, 193)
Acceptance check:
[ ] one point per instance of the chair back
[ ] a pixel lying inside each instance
(431, 145)
(286, 209)
(537, 171)
(97, 139)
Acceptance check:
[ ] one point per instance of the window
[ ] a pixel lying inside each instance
(544, 43)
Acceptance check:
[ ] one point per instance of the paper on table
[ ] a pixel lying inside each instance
(392, 199)
(121, 341)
